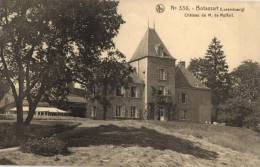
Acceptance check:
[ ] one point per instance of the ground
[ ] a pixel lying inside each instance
(149, 143)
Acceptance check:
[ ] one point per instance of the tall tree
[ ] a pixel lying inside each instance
(42, 41)
(217, 76)
(213, 71)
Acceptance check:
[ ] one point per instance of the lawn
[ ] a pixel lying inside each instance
(147, 143)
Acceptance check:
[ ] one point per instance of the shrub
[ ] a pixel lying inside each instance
(239, 112)
(47, 146)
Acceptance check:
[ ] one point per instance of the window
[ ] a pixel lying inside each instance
(133, 112)
(163, 75)
(133, 91)
(159, 50)
(184, 98)
(162, 53)
(94, 112)
(120, 111)
(163, 91)
(183, 114)
(120, 91)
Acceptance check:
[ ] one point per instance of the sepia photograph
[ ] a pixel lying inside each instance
(130, 83)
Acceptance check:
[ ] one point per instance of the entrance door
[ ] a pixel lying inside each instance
(161, 114)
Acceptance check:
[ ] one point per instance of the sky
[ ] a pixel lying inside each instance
(189, 37)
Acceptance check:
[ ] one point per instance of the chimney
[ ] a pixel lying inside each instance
(182, 63)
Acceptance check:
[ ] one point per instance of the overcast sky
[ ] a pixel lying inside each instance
(188, 38)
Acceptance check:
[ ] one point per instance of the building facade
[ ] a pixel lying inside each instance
(161, 89)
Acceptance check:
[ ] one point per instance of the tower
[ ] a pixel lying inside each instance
(156, 67)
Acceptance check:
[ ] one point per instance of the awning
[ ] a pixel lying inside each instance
(43, 109)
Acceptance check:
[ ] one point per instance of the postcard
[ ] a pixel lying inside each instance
(131, 83)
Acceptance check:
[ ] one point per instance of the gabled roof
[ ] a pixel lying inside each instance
(148, 45)
(191, 80)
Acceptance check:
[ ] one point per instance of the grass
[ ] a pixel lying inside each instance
(239, 139)
(35, 130)
(133, 136)
(143, 143)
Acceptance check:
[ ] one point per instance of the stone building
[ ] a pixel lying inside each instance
(160, 90)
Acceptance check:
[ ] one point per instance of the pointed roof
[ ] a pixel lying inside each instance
(148, 46)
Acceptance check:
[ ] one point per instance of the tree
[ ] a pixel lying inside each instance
(218, 78)
(242, 109)
(4, 88)
(213, 71)
(245, 80)
(238, 111)
(198, 68)
(42, 41)
(110, 73)
(247, 70)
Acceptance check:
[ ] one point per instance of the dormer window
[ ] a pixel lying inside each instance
(162, 53)
(160, 50)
